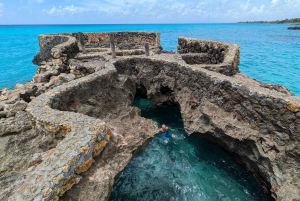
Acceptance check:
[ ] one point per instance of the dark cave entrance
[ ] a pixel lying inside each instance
(187, 168)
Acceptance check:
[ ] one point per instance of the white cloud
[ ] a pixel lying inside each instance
(245, 6)
(73, 9)
(154, 11)
(39, 1)
(53, 10)
(64, 10)
(259, 10)
(1, 6)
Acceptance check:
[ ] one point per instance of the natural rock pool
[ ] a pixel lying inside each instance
(187, 168)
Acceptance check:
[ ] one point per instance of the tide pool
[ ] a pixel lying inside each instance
(185, 169)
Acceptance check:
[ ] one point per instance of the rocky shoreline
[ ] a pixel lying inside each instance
(72, 129)
(294, 28)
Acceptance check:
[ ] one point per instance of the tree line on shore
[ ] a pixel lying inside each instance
(286, 21)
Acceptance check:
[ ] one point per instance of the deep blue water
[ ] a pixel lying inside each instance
(269, 53)
(185, 169)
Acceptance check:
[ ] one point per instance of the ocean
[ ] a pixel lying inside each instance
(189, 168)
(269, 52)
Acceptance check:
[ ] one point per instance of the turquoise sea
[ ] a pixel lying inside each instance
(189, 168)
(269, 53)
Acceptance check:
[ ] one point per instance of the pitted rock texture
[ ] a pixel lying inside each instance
(130, 131)
(16, 124)
(59, 169)
(56, 46)
(123, 40)
(79, 130)
(84, 67)
(81, 138)
(20, 152)
(259, 126)
(224, 56)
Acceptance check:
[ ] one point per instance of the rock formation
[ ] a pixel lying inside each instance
(72, 127)
(294, 28)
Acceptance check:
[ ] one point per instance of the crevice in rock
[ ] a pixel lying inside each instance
(165, 90)
(141, 90)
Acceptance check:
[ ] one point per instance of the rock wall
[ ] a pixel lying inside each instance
(81, 115)
(225, 55)
(131, 134)
(216, 50)
(55, 46)
(81, 138)
(53, 57)
(123, 40)
(54, 171)
(259, 126)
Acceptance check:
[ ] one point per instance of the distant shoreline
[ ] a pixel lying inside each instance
(286, 21)
(267, 23)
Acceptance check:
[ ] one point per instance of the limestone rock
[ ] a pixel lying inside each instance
(293, 107)
(259, 124)
(15, 125)
(127, 141)
(12, 109)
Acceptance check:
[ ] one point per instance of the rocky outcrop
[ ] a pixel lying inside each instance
(131, 132)
(259, 126)
(80, 131)
(81, 138)
(225, 57)
(122, 40)
(54, 164)
(294, 28)
(16, 124)
(55, 46)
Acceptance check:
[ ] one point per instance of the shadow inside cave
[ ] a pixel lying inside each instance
(187, 168)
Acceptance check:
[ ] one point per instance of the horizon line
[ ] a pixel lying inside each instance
(118, 24)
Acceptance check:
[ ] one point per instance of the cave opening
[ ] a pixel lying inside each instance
(141, 90)
(187, 168)
(165, 90)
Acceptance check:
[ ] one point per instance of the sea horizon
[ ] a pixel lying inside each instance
(266, 49)
(117, 24)
(180, 23)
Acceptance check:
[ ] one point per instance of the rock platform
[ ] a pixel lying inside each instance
(294, 28)
(72, 130)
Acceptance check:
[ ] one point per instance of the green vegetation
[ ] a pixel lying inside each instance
(286, 21)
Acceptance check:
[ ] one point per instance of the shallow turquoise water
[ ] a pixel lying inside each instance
(269, 53)
(185, 169)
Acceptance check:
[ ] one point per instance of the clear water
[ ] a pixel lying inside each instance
(185, 169)
(269, 53)
(188, 168)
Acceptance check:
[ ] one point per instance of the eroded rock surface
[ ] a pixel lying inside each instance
(132, 133)
(79, 130)
(258, 125)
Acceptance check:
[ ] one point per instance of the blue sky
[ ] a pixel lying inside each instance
(144, 11)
